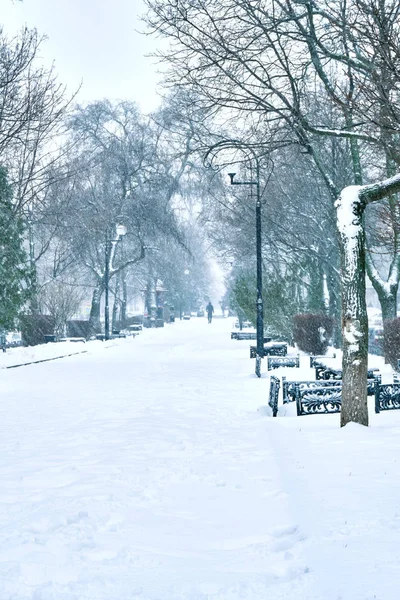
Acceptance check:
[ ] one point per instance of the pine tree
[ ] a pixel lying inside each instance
(15, 272)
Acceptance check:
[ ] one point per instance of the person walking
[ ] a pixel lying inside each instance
(210, 310)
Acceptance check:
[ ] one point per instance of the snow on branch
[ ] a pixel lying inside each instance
(341, 133)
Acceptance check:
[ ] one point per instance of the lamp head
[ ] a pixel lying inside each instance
(121, 230)
(231, 175)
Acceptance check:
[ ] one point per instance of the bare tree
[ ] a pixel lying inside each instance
(61, 300)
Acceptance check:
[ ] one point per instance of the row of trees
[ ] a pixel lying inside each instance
(313, 85)
(69, 175)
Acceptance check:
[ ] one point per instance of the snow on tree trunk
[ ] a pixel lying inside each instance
(350, 209)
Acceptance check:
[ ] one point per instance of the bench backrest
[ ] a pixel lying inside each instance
(315, 360)
(387, 396)
(272, 350)
(279, 349)
(275, 362)
(323, 372)
(289, 387)
(318, 400)
(273, 394)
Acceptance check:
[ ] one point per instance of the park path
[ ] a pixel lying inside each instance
(146, 471)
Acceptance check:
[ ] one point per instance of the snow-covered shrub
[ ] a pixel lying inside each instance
(312, 332)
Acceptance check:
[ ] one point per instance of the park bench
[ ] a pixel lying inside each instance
(324, 372)
(387, 396)
(275, 362)
(289, 387)
(244, 324)
(273, 349)
(247, 335)
(318, 400)
(396, 374)
(274, 385)
(316, 360)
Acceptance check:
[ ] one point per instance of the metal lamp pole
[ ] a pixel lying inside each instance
(106, 284)
(233, 144)
(259, 305)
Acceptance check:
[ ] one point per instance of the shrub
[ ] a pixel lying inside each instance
(391, 341)
(34, 327)
(279, 304)
(312, 332)
(80, 328)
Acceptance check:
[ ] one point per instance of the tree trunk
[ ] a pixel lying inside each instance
(316, 301)
(333, 285)
(350, 211)
(388, 302)
(94, 318)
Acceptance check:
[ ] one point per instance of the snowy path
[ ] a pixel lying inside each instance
(148, 470)
(142, 472)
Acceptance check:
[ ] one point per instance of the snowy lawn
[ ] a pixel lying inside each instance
(150, 469)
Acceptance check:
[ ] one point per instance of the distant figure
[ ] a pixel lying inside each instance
(210, 310)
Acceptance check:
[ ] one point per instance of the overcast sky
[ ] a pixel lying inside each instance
(93, 41)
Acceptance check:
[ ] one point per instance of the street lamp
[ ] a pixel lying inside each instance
(120, 231)
(186, 273)
(260, 309)
(237, 144)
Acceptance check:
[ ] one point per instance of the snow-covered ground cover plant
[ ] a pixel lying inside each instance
(151, 469)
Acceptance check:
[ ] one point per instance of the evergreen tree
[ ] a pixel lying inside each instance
(15, 272)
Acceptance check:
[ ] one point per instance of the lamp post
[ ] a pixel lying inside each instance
(109, 255)
(259, 305)
(186, 303)
(237, 144)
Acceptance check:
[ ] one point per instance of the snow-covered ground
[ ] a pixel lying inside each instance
(150, 469)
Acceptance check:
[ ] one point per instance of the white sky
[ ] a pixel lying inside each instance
(92, 41)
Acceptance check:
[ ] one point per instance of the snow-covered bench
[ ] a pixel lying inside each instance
(289, 387)
(275, 362)
(316, 360)
(247, 335)
(273, 349)
(322, 372)
(274, 385)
